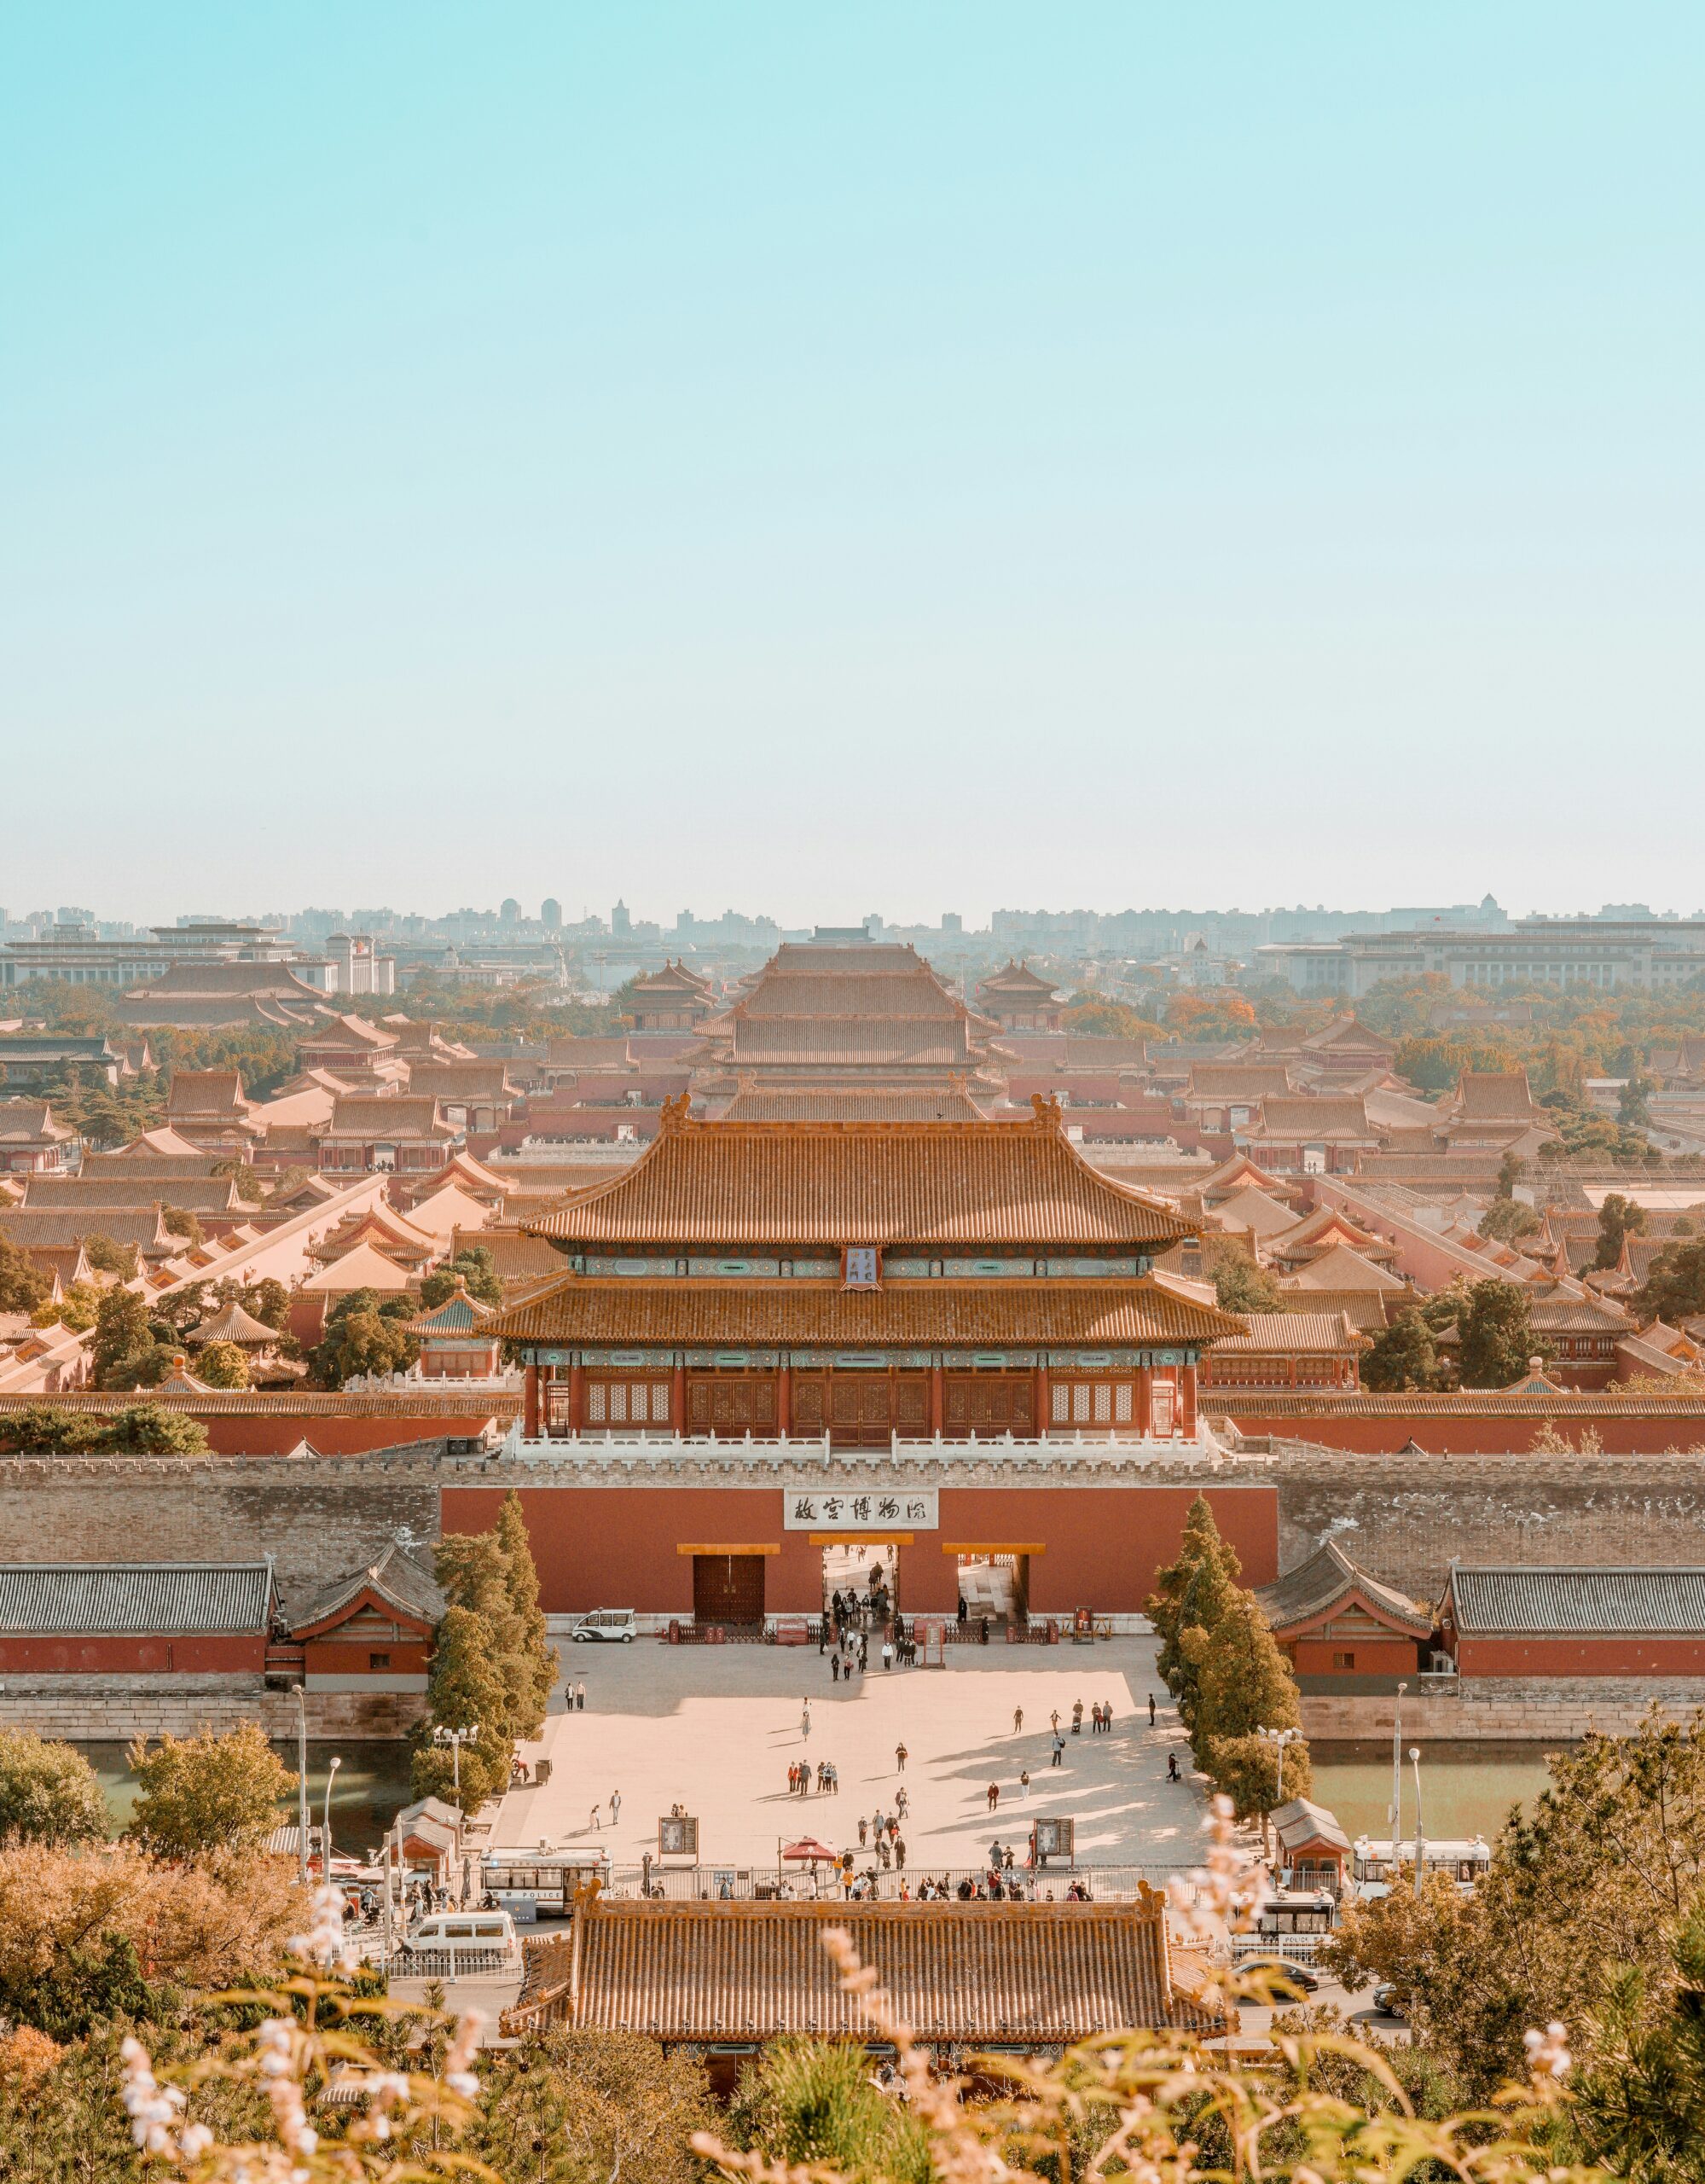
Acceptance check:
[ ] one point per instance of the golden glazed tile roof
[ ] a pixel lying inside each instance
(963, 1186)
(1029, 1972)
(905, 1315)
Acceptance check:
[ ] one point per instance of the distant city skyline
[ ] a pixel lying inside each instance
(925, 456)
(964, 925)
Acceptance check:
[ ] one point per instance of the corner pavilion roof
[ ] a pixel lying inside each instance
(959, 1185)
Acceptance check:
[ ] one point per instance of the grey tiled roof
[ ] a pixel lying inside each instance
(1327, 1576)
(1539, 1600)
(147, 1599)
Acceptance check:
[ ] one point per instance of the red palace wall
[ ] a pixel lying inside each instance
(1373, 1656)
(618, 1547)
(1576, 1656)
(343, 1657)
(1444, 1433)
(185, 1656)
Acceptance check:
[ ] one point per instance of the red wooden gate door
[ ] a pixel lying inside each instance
(728, 1588)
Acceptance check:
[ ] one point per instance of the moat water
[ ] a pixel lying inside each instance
(371, 1787)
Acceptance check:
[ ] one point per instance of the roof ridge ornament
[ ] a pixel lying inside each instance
(673, 1115)
(1049, 1114)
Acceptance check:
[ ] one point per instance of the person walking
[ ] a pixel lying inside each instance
(862, 1824)
(580, 1696)
(615, 1807)
(964, 1612)
(900, 1854)
(900, 1759)
(993, 1796)
(1017, 1721)
(1172, 1772)
(834, 1668)
(902, 1801)
(1024, 1786)
(805, 1719)
(1077, 1718)
(1054, 1720)
(887, 1653)
(1150, 1710)
(1058, 1750)
(596, 1821)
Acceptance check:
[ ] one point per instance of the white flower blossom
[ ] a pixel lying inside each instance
(1548, 2055)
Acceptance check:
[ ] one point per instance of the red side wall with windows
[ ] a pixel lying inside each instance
(194, 1654)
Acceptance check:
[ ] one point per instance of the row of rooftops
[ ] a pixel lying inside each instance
(1496, 1600)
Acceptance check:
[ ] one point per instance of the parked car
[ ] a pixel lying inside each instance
(1390, 2001)
(460, 1930)
(1282, 1973)
(606, 1625)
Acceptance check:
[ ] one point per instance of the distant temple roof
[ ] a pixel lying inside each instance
(1328, 1577)
(143, 1599)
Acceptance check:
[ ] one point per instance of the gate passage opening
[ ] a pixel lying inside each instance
(996, 1585)
(870, 1575)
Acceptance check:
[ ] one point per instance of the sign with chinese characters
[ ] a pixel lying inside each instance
(677, 1836)
(861, 1267)
(862, 1509)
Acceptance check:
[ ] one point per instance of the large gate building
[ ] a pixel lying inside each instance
(782, 1354)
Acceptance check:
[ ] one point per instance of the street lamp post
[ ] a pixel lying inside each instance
(1420, 1826)
(301, 1781)
(326, 1829)
(1397, 1777)
(455, 1739)
(1279, 1738)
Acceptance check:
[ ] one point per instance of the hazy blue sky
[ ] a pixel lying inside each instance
(825, 458)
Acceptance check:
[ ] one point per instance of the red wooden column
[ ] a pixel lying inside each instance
(1187, 1400)
(529, 1403)
(937, 1398)
(677, 1394)
(784, 1400)
(577, 1395)
(1145, 1399)
(1042, 1400)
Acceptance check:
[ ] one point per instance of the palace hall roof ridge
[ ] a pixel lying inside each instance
(949, 1183)
(599, 1309)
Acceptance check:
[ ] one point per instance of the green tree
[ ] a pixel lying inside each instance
(1617, 1217)
(475, 1266)
(268, 1301)
(1638, 2109)
(359, 1342)
(206, 1792)
(1507, 1220)
(812, 2104)
(1245, 1685)
(577, 2106)
(1403, 1358)
(1241, 1285)
(493, 1665)
(223, 1365)
(48, 1792)
(1497, 1338)
(1191, 1595)
(1674, 1287)
(1634, 1108)
(107, 1257)
(147, 1429)
(122, 1346)
(465, 1690)
(23, 1285)
(179, 1221)
(1600, 1880)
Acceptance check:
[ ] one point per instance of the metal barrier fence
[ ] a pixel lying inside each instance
(449, 1964)
(747, 1884)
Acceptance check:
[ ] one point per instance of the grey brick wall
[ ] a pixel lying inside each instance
(317, 1517)
(1405, 1517)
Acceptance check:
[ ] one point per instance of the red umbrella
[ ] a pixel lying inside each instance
(808, 1850)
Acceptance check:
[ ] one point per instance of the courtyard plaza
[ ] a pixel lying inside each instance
(714, 1730)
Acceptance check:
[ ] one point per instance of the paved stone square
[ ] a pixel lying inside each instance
(716, 1728)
